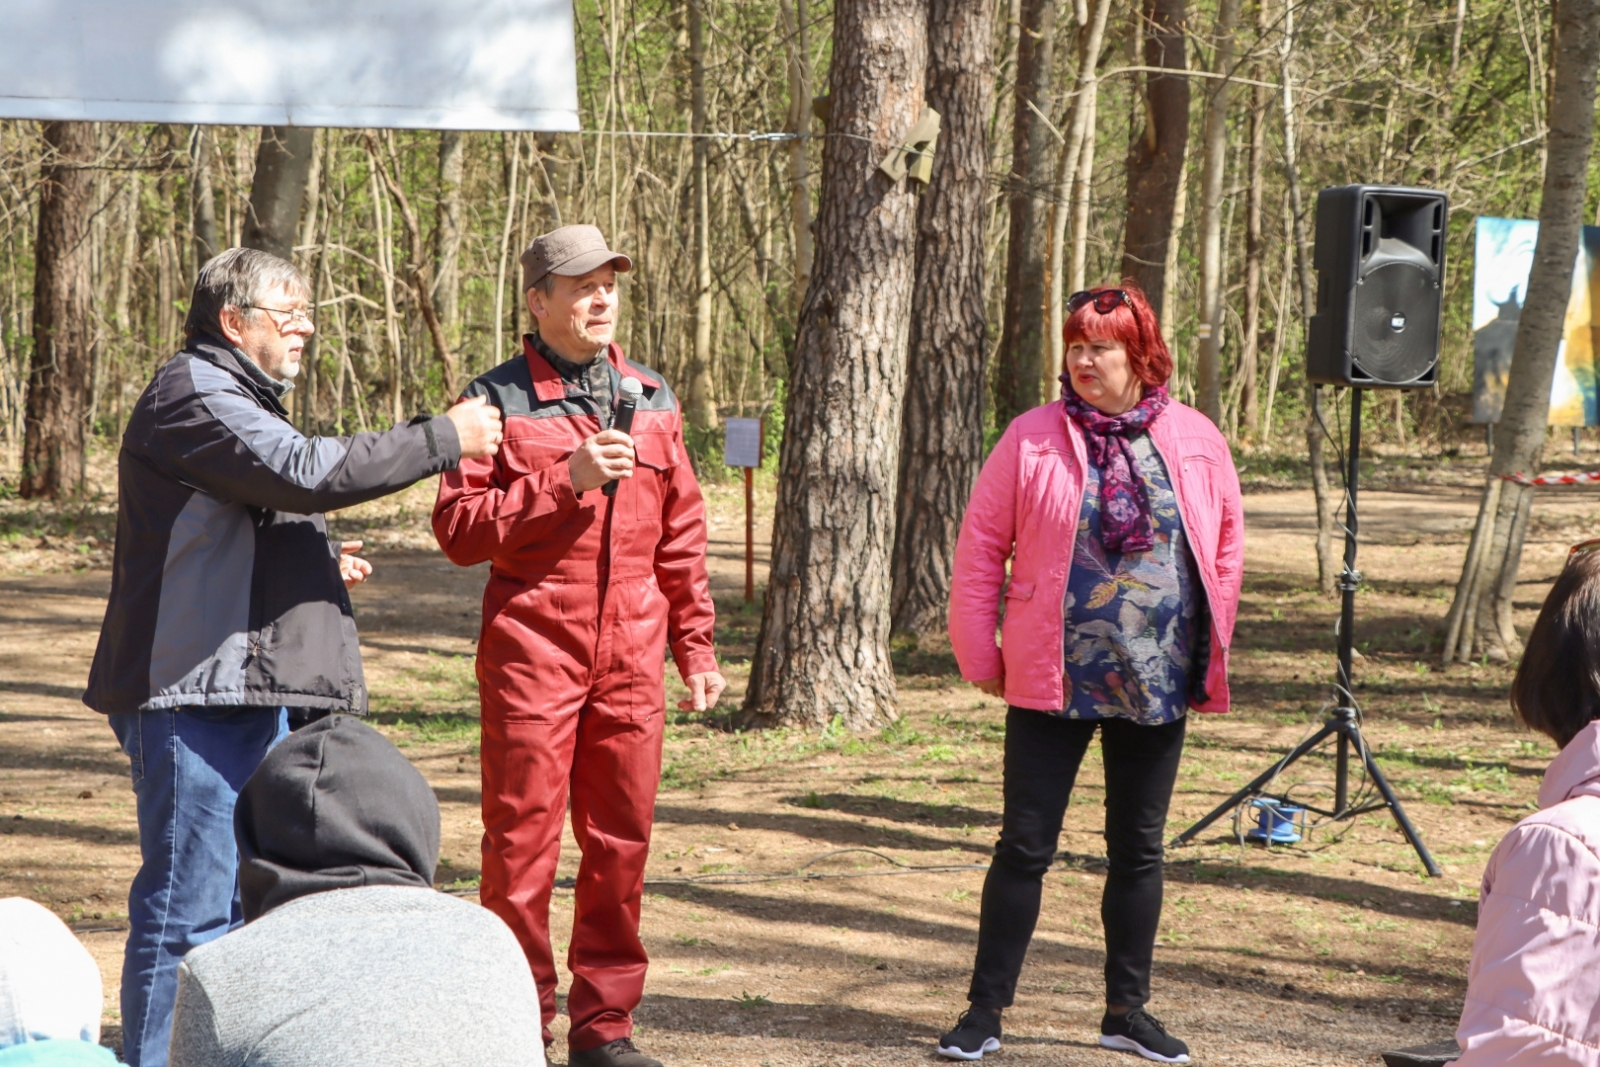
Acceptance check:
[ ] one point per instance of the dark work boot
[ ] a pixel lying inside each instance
(618, 1053)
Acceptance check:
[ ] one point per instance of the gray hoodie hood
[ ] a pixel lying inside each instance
(334, 806)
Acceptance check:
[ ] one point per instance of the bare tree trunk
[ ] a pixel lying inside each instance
(1316, 422)
(794, 14)
(1081, 189)
(700, 412)
(447, 234)
(1091, 34)
(1480, 617)
(1212, 179)
(1250, 345)
(205, 204)
(1022, 344)
(823, 650)
(283, 168)
(514, 142)
(58, 378)
(942, 429)
(1156, 156)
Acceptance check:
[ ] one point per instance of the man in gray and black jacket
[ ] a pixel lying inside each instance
(228, 602)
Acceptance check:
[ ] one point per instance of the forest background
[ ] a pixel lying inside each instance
(702, 155)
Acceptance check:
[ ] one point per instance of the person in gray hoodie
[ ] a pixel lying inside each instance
(348, 954)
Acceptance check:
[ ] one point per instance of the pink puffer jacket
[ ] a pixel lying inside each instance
(1025, 509)
(1533, 991)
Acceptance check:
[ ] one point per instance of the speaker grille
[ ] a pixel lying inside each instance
(1396, 320)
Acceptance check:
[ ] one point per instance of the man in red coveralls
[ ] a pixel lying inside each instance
(585, 592)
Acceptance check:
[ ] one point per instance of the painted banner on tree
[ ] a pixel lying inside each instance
(1503, 257)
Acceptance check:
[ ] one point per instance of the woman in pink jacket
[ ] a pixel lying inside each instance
(1533, 991)
(1118, 510)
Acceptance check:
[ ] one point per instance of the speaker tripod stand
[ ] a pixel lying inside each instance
(1343, 723)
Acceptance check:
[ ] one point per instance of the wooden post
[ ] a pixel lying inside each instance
(749, 535)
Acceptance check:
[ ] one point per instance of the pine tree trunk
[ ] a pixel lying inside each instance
(1155, 158)
(1480, 619)
(1022, 344)
(942, 438)
(283, 167)
(1209, 364)
(823, 650)
(58, 378)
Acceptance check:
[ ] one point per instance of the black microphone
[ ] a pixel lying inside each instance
(627, 402)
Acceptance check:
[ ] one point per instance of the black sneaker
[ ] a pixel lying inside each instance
(1139, 1031)
(618, 1053)
(976, 1032)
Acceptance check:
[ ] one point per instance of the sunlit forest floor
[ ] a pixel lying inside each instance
(1323, 953)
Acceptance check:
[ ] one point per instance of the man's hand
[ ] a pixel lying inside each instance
(352, 568)
(478, 425)
(606, 456)
(995, 687)
(704, 691)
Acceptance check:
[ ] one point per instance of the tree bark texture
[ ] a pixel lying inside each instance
(1022, 344)
(1479, 621)
(283, 167)
(942, 435)
(1212, 179)
(58, 377)
(823, 650)
(700, 412)
(1155, 158)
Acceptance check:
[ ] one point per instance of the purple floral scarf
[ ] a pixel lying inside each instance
(1124, 508)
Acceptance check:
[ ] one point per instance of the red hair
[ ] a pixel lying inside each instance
(1131, 324)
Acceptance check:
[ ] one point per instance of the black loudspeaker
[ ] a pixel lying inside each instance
(1380, 283)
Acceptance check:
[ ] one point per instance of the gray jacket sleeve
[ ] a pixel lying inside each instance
(222, 441)
(195, 1041)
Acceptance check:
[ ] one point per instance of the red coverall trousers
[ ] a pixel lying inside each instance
(584, 593)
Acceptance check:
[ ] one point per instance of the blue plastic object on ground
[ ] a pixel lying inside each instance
(1278, 823)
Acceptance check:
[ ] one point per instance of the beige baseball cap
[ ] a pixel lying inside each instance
(569, 251)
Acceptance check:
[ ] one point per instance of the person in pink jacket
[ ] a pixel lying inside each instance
(1119, 513)
(1533, 990)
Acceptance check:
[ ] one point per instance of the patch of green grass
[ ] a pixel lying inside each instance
(752, 1000)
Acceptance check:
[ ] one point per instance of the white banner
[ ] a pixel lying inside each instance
(412, 64)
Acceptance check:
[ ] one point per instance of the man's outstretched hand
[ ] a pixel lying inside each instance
(352, 568)
(478, 425)
(704, 691)
(605, 457)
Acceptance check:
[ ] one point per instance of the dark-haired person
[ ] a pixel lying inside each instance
(1119, 513)
(228, 602)
(1533, 990)
(349, 957)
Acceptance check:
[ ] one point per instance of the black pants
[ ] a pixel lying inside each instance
(1042, 756)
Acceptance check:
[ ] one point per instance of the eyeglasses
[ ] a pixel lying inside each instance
(1105, 300)
(297, 316)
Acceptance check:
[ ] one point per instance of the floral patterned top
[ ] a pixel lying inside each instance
(1131, 618)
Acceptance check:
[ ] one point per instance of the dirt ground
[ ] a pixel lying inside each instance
(813, 897)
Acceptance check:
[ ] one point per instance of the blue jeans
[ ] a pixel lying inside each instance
(188, 767)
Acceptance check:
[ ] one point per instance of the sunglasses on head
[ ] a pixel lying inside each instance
(1105, 300)
(1582, 548)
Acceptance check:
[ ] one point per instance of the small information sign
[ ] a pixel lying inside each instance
(741, 443)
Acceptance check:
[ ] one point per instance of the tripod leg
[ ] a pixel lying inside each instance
(1262, 779)
(1399, 812)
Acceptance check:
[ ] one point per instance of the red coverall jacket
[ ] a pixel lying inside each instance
(584, 592)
